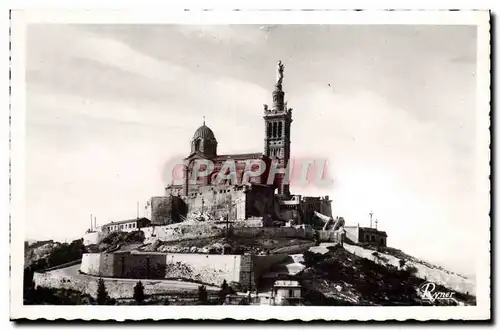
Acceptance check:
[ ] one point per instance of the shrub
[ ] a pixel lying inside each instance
(411, 270)
(225, 289)
(139, 292)
(311, 258)
(202, 294)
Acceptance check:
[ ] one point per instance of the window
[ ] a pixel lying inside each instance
(290, 293)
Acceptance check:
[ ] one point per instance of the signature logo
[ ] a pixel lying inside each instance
(429, 294)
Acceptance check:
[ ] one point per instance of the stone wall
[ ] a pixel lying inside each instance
(150, 266)
(218, 201)
(294, 249)
(107, 265)
(91, 263)
(92, 238)
(281, 232)
(123, 265)
(208, 269)
(352, 233)
(260, 202)
(330, 236)
(167, 209)
(159, 210)
(116, 288)
(182, 231)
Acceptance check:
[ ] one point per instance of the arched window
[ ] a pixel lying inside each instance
(269, 129)
(197, 145)
(280, 128)
(275, 129)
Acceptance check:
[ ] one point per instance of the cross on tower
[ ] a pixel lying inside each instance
(371, 216)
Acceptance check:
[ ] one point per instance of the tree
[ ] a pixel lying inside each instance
(139, 292)
(102, 294)
(202, 294)
(225, 289)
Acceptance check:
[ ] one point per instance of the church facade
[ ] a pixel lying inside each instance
(219, 185)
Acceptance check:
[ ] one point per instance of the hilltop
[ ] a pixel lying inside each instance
(331, 274)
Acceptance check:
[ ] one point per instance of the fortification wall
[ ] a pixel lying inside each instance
(181, 231)
(352, 233)
(92, 238)
(91, 263)
(294, 249)
(218, 201)
(151, 266)
(208, 269)
(260, 201)
(283, 232)
(107, 265)
(116, 288)
(330, 236)
(166, 209)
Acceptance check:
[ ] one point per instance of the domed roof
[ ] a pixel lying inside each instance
(204, 132)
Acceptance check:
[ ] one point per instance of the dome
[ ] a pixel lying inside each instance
(204, 132)
(204, 142)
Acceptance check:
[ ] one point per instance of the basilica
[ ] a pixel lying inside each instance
(266, 196)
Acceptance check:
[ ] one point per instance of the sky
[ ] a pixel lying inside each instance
(392, 108)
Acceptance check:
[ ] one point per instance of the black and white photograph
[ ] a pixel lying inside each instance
(334, 166)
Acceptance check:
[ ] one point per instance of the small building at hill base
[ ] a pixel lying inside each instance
(287, 293)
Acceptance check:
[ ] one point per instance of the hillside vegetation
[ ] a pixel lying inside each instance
(341, 278)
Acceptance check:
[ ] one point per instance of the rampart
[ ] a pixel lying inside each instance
(116, 288)
(271, 232)
(92, 238)
(208, 269)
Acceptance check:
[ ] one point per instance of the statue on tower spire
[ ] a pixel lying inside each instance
(279, 73)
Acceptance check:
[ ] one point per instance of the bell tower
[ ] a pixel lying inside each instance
(277, 121)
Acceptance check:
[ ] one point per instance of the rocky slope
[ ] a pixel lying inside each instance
(339, 277)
